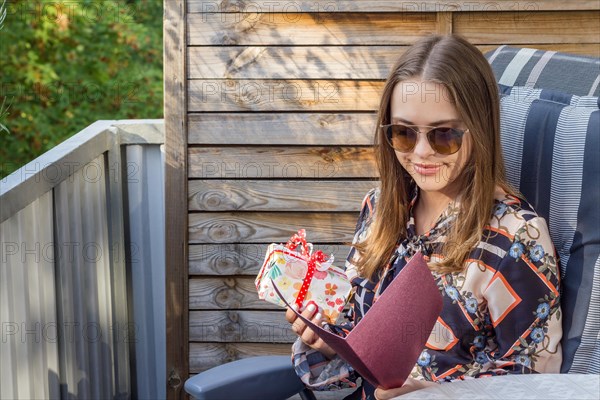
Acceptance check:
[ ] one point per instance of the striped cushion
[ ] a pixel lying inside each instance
(568, 73)
(551, 144)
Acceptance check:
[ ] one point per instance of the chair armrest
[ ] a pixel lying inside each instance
(267, 377)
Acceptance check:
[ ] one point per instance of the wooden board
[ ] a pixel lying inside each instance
(308, 29)
(282, 162)
(254, 195)
(226, 259)
(529, 28)
(285, 62)
(207, 355)
(227, 292)
(282, 128)
(244, 258)
(240, 326)
(283, 95)
(320, 62)
(260, 227)
(329, 6)
(390, 28)
(176, 368)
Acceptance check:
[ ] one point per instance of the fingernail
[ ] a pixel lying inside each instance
(311, 307)
(318, 316)
(295, 307)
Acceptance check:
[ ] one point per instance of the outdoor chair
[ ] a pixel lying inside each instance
(550, 123)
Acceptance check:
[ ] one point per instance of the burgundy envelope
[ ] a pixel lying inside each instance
(384, 346)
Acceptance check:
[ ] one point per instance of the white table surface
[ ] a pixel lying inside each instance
(533, 387)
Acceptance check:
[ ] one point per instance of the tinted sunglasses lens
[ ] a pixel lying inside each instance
(401, 137)
(445, 140)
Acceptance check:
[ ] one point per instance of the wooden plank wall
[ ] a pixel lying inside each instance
(280, 115)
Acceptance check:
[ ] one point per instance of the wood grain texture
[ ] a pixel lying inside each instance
(543, 27)
(308, 28)
(283, 95)
(244, 258)
(282, 128)
(252, 195)
(444, 23)
(329, 6)
(322, 62)
(175, 96)
(204, 356)
(287, 62)
(240, 326)
(226, 259)
(258, 227)
(282, 162)
(228, 292)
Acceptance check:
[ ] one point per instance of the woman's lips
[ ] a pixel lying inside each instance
(427, 169)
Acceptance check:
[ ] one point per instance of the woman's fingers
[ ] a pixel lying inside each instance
(290, 316)
(306, 334)
(298, 326)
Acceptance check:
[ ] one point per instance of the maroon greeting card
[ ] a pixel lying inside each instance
(384, 346)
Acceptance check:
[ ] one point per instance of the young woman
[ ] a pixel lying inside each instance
(443, 192)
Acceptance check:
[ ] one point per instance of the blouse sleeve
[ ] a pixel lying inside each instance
(314, 369)
(361, 231)
(524, 306)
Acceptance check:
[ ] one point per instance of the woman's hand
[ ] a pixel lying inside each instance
(410, 385)
(307, 335)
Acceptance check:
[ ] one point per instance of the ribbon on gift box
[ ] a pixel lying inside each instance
(299, 239)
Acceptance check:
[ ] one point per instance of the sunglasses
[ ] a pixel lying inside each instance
(443, 140)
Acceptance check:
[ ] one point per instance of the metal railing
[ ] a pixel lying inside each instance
(82, 267)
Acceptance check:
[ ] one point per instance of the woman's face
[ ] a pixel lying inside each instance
(423, 103)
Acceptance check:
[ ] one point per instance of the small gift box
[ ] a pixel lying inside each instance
(303, 276)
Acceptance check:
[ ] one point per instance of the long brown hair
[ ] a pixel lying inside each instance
(463, 70)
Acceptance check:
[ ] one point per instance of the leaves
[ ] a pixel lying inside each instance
(65, 68)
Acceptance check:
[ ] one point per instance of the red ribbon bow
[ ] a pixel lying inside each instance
(318, 256)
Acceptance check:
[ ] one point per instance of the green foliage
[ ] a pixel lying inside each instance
(67, 64)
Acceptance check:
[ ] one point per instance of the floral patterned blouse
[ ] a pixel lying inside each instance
(500, 315)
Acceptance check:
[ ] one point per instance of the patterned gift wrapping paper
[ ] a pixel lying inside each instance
(303, 277)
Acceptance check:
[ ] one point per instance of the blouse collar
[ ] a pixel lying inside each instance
(441, 224)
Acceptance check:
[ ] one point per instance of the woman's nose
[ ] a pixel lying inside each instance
(422, 147)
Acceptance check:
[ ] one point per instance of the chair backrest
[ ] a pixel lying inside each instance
(550, 122)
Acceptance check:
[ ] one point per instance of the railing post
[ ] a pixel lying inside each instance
(124, 334)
